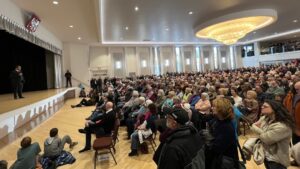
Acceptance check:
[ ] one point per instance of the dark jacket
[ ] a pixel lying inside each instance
(15, 78)
(178, 149)
(106, 121)
(68, 75)
(223, 144)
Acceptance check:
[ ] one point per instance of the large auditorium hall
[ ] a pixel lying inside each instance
(145, 84)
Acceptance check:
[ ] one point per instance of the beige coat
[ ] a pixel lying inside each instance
(296, 152)
(275, 137)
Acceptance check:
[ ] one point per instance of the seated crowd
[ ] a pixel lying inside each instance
(198, 116)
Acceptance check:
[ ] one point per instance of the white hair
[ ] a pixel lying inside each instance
(205, 95)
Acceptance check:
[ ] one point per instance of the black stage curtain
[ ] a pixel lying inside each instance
(16, 51)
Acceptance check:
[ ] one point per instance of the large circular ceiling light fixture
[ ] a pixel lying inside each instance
(230, 28)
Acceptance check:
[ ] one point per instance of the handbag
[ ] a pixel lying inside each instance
(258, 153)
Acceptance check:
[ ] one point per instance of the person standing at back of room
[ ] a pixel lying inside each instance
(68, 76)
(17, 81)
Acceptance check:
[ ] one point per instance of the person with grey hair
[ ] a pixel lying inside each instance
(203, 105)
(135, 94)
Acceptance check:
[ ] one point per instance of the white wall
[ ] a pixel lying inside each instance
(189, 53)
(13, 12)
(239, 59)
(252, 61)
(99, 57)
(207, 52)
(279, 56)
(131, 60)
(142, 54)
(76, 59)
(224, 52)
(168, 53)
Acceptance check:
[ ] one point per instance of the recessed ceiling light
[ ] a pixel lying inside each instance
(79, 38)
(71, 26)
(126, 28)
(295, 21)
(136, 8)
(191, 13)
(55, 2)
(167, 29)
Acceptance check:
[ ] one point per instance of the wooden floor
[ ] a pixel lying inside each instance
(68, 121)
(8, 103)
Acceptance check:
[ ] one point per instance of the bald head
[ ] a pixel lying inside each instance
(109, 105)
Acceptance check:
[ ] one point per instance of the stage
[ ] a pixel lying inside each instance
(8, 103)
(30, 111)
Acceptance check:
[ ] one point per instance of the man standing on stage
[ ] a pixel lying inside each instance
(17, 81)
(68, 76)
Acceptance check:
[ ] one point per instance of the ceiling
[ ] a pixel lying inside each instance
(57, 18)
(156, 21)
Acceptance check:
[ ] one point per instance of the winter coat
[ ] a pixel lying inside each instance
(275, 138)
(179, 148)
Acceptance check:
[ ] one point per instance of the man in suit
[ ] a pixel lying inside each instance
(100, 125)
(17, 81)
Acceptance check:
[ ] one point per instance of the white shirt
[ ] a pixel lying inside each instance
(237, 100)
(108, 110)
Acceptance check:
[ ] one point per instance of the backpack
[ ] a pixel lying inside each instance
(65, 158)
(198, 162)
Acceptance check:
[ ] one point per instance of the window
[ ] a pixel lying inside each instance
(206, 61)
(216, 57)
(144, 63)
(223, 60)
(156, 61)
(178, 60)
(248, 50)
(231, 58)
(167, 63)
(118, 65)
(198, 58)
(188, 61)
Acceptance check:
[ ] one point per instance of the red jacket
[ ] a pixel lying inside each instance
(295, 111)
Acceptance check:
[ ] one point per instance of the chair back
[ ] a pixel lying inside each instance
(116, 130)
